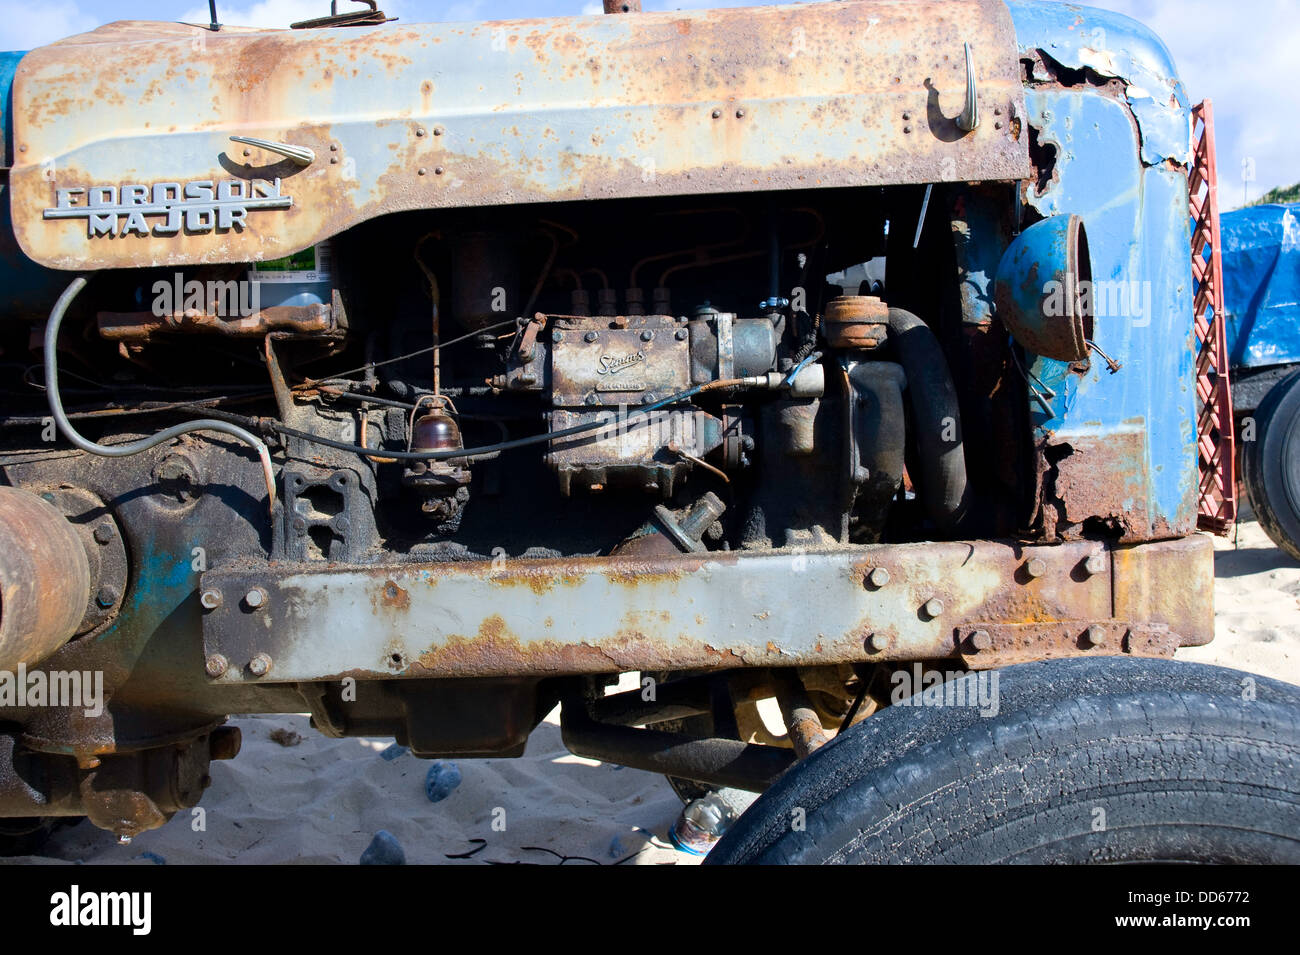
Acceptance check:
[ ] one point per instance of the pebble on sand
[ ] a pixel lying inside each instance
(384, 849)
(442, 778)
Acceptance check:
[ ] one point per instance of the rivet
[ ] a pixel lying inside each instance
(421, 171)
(419, 131)
(907, 129)
(215, 665)
(260, 665)
(437, 170)
(981, 640)
(879, 642)
(740, 114)
(907, 116)
(878, 577)
(717, 114)
(933, 607)
(1035, 567)
(1095, 636)
(997, 124)
(210, 599)
(334, 147)
(437, 130)
(1095, 564)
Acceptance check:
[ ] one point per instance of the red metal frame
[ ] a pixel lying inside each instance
(1217, 505)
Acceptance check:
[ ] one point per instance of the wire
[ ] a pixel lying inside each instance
(144, 444)
(417, 353)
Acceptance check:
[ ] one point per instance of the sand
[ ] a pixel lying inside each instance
(321, 800)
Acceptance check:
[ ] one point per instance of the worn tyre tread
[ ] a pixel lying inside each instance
(1170, 750)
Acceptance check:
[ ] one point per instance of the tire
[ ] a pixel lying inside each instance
(1167, 756)
(1270, 464)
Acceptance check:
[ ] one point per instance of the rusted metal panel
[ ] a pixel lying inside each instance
(310, 320)
(429, 116)
(690, 612)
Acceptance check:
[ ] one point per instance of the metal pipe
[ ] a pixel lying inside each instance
(801, 720)
(715, 762)
(44, 579)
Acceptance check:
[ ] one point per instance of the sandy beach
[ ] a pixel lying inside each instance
(320, 800)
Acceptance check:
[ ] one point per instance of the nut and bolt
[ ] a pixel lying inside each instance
(107, 596)
(103, 533)
(1035, 567)
(1094, 565)
(260, 665)
(680, 334)
(647, 335)
(215, 665)
(255, 598)
(590, 337)
(1095, 636)
(557, 336)
(981, 640)
(879, 642)
(933, 607)
(878, 577)
(210, 599)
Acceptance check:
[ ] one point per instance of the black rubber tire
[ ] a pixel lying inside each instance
(1182, 765)
(1270, 464)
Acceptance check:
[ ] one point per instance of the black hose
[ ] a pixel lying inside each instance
(933, 397)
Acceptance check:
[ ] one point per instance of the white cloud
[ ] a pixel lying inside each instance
(25, 25)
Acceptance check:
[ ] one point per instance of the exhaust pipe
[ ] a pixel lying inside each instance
(44, 579)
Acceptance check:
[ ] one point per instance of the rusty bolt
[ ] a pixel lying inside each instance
(1095, 636)
(981, 640)
(215, 665)
(103, 533)
(107, 596)
(878, 577)
(933, 607)
(879, 642)
(680, 334)
(1095, 564)
(647, 335)
(1035, 567)
(210, 599)
(255, 598)
(260, 665)
(590, 337)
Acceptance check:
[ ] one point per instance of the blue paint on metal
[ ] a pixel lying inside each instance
(1113, 45)
(1261, 284)
(26, 289)
(1139, 237)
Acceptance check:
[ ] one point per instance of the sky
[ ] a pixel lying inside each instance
(1240, 53)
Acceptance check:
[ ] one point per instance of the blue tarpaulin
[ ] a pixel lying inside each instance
(1261, 284)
